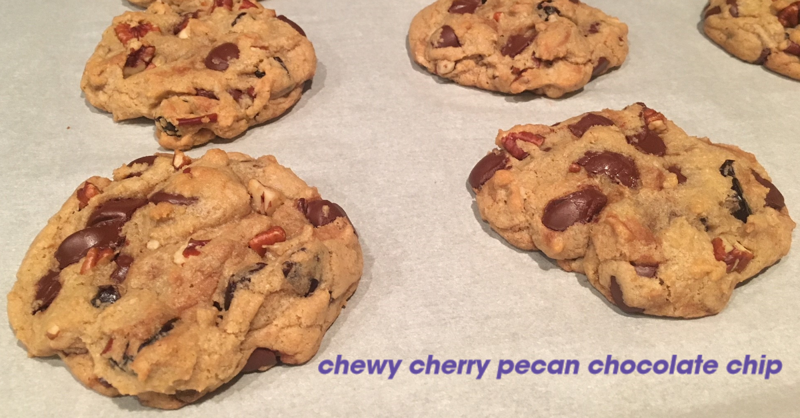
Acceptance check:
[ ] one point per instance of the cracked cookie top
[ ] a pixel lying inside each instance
(764, 32)
(661, 222)
(200, 72)
(549, 47)
(177, 275)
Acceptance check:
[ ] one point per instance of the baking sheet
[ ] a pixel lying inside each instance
(393, 145)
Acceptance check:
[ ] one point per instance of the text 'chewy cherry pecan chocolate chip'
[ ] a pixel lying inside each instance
(294, 26)
(774, 197)
(616, 294)
(47, 288)
(321, 212)
(617, 167)
(583, 125)
(464, 6)
(218, 59)
(486, 167)
(448, 38)
(579, 207)
(260, 359)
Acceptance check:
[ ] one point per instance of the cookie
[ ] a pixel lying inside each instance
(763, 32)
(213, 72)
(662, 223)
(549, 47)
(177, 275)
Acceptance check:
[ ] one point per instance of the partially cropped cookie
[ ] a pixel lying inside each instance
(763, 32)
(199, 73)
(177, 275)
(549, 47)
(661, 222)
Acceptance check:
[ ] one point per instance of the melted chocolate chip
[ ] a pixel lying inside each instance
(313, 284)
(617, 167)
(149, 160)
(763, 57)
(579, 207)
(464, 6)
(116, 210)
(548, 10)
(645, 270)
(742, 210)
(123, 262)
(236, 20)
(323, 212)
(259, 74)
(448, 38)
(294, 26)
(601, 67)
(616, 294)
(516, 44)
(165, 329)
(790, 15)
(793, 49)
(486, 167)
(105, 295)
(260, 359)
(677, 172)
(648, 142)
(218, 59)
(774, 197)
(47, 288)
(579, 129)
(712, 11)
(206, 93)
(734, 9)
(75, 246)
(167, 126)
(174, 199)
(238, 280)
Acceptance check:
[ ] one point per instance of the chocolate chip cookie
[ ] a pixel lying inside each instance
(764, 32)
(215, 71)
(661, 222)
(177, 275)
(549, 47)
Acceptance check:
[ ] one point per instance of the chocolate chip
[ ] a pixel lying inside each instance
(742, 210)
(123, 262)
(323, 212)
(162, 332)
(594, 28)
(116, 210)
(793, 49)
(774, 197)
(312, 286)
(790, 15)
(579, 207)
(166, 126)
(206, 93)
(75, 246)
(174, 199)
(601, 67)
(219, 58)
(648, 142)
(645, 270)
(616, 294)
(105, 295)
(677, 172)
(712, 11)
(47, 288)
(260, 359)
(548, 10)
(236, 20)
(448, 38)
(148, 159)
(619, 168)
(294, 26)
(237, 281)
(516, 44)
(280, 61)
(734, 9)
(486, 167)
(763, 57)
(579, 129)
(464, 6)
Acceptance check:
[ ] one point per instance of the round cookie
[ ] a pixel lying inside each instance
(661, 222)
(549, 47)
(177, 275)
(212, 72)
(764, 32)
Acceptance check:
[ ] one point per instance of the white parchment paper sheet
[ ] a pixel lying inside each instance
(393, 145)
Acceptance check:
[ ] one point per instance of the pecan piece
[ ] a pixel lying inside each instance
(260, 242)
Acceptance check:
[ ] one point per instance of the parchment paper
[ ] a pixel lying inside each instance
(394, 145)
